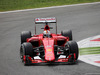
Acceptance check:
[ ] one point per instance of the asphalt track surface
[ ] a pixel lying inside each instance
(83, 20)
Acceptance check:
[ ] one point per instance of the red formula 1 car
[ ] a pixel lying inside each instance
(49, 47)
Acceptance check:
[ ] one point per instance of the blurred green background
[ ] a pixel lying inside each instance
(7, 5)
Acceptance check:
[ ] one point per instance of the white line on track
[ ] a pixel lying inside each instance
(90, 59)
(51, 7)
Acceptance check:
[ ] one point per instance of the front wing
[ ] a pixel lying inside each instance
(70, 59)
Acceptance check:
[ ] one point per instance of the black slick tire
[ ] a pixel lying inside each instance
(67, 33)
(27, 50)
(25, 35)
(73, 48)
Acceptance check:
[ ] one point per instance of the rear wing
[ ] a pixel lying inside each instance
(45, 20)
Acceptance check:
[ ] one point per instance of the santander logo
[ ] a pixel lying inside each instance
(45, 19)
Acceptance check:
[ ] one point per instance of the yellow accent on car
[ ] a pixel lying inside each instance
(49, 50)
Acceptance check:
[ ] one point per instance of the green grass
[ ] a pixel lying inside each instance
(91, 50)
(7, 5)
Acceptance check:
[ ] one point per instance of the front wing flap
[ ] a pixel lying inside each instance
(71, 58)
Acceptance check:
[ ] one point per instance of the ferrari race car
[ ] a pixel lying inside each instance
(48, 47)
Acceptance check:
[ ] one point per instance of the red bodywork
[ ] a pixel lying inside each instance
(48, 43)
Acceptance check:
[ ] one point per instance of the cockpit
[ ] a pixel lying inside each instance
(46, 34)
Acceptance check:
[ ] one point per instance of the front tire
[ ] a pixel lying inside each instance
(73, 48)
(26, 50)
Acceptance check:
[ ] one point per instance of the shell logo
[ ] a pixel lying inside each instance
(49, 50)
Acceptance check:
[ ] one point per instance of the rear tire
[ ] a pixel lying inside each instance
(67, 34)
(25, 35)
(73, 48)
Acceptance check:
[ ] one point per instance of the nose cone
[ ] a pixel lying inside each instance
(49, 55)
(49, 49)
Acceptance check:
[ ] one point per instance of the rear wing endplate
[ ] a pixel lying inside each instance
(45, 20)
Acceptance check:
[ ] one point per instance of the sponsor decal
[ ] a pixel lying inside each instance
(45, 19)
(49, 46)
(49, 55)
(49, 50)
(51, 19)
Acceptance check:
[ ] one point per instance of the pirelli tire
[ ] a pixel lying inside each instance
(25, 35)
(67, 33)
(26, 50)
(73, 48)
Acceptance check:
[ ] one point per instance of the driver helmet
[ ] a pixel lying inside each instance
(46, 33)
